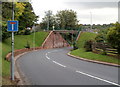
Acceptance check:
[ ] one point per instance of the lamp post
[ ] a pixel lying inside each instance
(91, 20)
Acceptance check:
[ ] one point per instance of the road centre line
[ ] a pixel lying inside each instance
(47, 57)
(50, 52)
(97, 78)
(59, 64)
(113, 83)
(54, 61)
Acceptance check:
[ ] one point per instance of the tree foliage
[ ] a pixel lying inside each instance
(113, 37)
(102, 36)
(19, 9)
(64, 19)
(23, 13)
(48, 20)
(67, 19)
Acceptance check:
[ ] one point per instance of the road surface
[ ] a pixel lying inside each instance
(54, 67)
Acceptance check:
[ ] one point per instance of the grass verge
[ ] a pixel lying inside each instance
(93, 56)
(85, 36)
(90, 55)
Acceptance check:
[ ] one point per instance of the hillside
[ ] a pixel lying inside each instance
(84, 37)
(20, 42)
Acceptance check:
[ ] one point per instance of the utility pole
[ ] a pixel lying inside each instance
(119, 11)
(91, 20)
(48, 18)
(12, 58)
(48, 23)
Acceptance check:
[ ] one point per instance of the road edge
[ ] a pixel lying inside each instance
(94, 61)
(17, 74)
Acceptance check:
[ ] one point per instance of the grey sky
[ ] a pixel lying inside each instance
(102, 12)
(88, 5)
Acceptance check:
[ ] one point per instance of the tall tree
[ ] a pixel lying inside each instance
(67, 19)
(28, 17)
(48, 20)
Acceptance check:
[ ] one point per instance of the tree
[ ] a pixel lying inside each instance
(23, 13)
(113, 37)
(7, 15)
(48, 20)
(28, 18)
(67, 19)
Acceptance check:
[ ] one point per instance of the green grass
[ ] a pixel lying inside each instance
(84, 37)
(90, 55)
(20, 42)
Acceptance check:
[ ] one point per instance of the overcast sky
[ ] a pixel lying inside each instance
(102, 12)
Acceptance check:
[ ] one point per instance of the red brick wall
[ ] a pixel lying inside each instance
(20, 51)
(55, 40)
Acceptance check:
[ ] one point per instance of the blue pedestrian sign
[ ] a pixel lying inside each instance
(12, 25)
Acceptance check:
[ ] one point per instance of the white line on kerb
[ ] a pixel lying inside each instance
(59, 64)
(97, 78)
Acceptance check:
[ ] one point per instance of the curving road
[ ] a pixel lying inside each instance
(54, 67)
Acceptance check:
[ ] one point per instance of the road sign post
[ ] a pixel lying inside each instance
(12, 26)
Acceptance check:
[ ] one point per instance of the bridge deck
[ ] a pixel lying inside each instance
(65, 31)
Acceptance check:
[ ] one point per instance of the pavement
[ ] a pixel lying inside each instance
(55, 67)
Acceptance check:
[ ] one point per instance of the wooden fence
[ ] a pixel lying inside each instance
(104, 48)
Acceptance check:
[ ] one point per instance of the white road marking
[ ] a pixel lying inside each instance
(47, 56)
(59, 64)
(82, 72)
(97, 78)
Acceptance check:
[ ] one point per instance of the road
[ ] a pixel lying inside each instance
(54, 67)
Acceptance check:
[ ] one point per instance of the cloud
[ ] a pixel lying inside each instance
(102, 12)
(92, 5)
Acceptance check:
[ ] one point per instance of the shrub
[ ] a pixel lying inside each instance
(88, 45)
(74, 46)
(27, 45)
(27, 32)
(104, 53)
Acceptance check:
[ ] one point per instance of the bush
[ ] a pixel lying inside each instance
(74, 46)
(27, 45)
(27, 32)
(104, 53)
(88, 45)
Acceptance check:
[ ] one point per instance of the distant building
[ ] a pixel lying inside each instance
(119, 11)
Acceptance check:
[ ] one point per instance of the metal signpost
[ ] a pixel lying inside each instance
(12, 26)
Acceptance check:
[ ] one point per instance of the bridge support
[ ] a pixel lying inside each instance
(54, 40)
